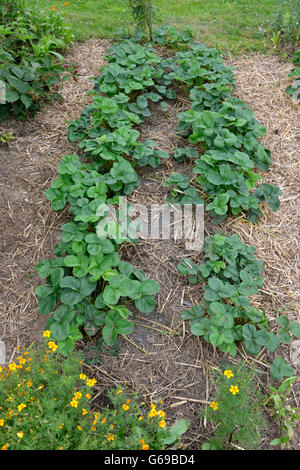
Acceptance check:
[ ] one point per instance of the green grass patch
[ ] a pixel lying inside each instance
(231, 25)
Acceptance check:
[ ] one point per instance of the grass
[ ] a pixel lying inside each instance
(230, 25)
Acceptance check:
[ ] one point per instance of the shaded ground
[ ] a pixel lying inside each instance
(161, 358)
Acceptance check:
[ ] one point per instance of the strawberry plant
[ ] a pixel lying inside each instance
(294, 89)
(231, 275)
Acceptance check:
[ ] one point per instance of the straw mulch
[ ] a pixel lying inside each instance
(161, 358)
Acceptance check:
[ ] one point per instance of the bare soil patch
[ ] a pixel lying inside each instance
(161, 358)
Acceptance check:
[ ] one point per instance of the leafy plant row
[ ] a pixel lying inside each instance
(231, 275)
(87, 285)
(223, 129)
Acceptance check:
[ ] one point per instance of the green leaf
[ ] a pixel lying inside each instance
(66, 346)
(60, 330)
(267, 339)
(11, 96)
(294, 328)
(26, 100)
(179, 428)
(283, 321)
(21, 87)
(149, 287)
(280, 368)
(47, 304)
(250, 339)
(111, 295)
(145, 304)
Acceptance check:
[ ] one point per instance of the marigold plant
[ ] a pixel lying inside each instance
(46, 404)
(235, 409)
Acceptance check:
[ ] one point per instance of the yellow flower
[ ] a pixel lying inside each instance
(1, 422)
(97, 415)
(162, 423)
(52, 346)
(13, 367)
(61, 426)
(119, 391)
(234, 389)
(127, 401)
(228, 373)
(84, 411)
(91, 382)
(20, 434)
(161, 413)
(152, 413)
(74, 403)
(29, 383)
(110, 437)
(46, 333)
(142, 441)
(40, 387)
(79, 428)
(103, 421)
(88, 396)
(82, 376)
(77, 395)
(21, 360)
(21, 406)
(145, 447)
(140, 418)
(125, 407)
(5, 446)
(214, 405)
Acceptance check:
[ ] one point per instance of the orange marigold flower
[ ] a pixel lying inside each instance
(125, 407)
(214, 405)
(110, 437)
(162, 423)
(52, 8)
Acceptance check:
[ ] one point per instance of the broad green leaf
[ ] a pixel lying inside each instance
(145, 304)
(280, 368)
